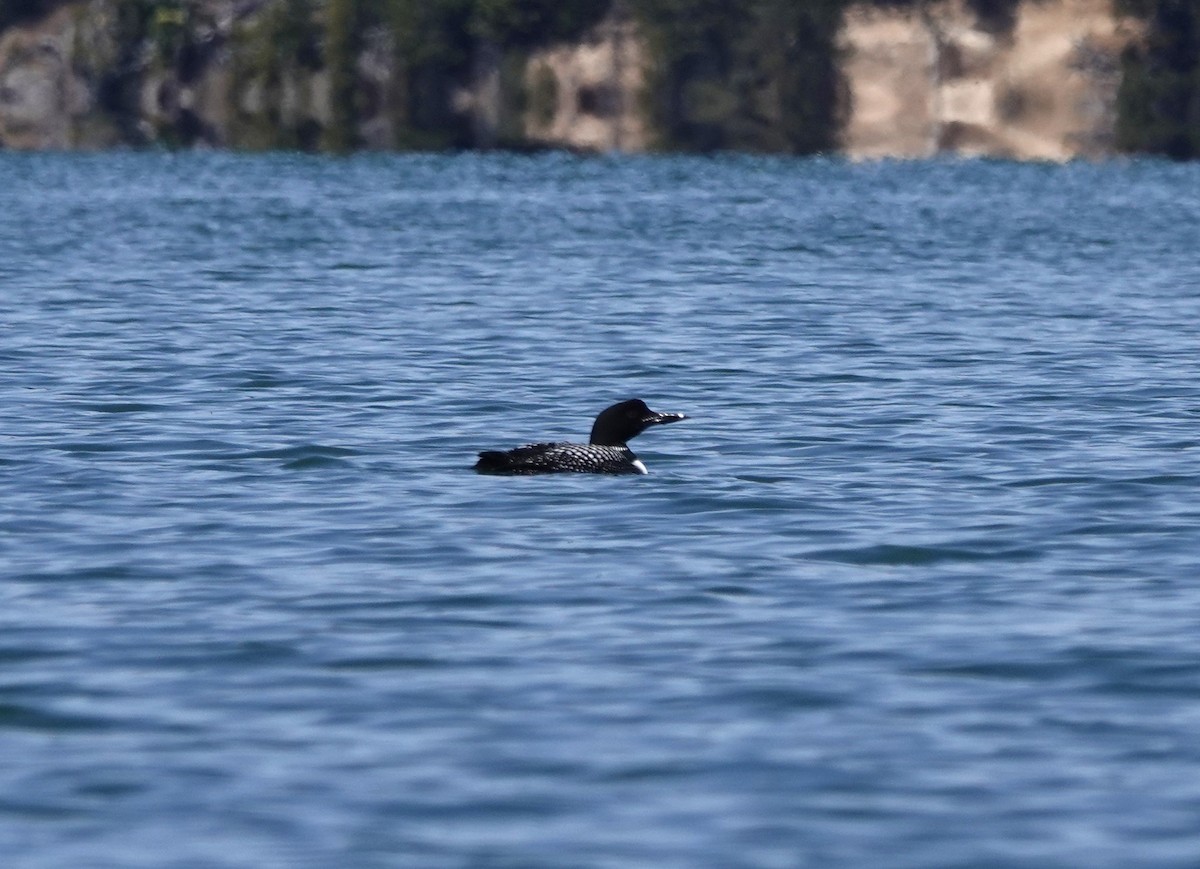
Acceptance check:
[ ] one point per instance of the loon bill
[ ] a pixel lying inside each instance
(605, 452)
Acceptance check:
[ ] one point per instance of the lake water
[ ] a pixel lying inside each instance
(916, 585)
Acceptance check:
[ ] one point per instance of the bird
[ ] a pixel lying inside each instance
(605, 453)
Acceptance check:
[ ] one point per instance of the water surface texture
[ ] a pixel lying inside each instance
(915, 586)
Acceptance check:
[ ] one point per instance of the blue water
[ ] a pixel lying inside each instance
(917, 585)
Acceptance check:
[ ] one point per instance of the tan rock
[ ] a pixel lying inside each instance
(585, 95)
(935, 79)
(40, 96)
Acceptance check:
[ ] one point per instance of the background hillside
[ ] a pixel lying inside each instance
(757, 75)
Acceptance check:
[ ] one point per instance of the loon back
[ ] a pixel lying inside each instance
(560, 458)
(606, 454)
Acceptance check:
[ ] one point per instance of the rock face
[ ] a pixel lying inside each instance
(586, 95)
(1040, 86)
(41, 97)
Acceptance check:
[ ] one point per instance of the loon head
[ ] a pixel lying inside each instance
(617, 424)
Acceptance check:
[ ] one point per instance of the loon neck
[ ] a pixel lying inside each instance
(608, 442)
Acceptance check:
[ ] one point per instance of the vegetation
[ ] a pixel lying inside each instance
(432, 51)
(118, 73)
(1158, 105)
(274, 55)
(342, 31)
(744, 74)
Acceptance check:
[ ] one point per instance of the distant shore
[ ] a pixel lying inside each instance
(1021, 79)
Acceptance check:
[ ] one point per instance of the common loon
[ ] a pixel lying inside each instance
(605, 453)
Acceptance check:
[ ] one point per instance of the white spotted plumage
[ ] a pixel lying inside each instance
(606, 453)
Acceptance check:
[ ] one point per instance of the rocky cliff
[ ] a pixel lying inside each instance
(918, 79)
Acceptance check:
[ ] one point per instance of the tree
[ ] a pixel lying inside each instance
(744, 74)
(341, 52)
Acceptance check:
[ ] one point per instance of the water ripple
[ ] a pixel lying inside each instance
(915, 579)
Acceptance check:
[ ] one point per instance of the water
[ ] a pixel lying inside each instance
(915, 586)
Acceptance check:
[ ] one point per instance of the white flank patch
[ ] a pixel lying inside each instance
(641, 468)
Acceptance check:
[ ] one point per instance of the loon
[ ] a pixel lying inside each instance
(605, 453)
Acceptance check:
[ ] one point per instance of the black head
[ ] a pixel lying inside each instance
(617, 424)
